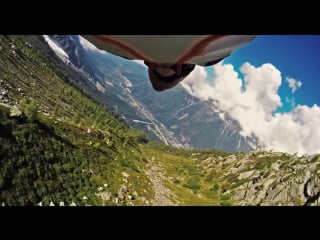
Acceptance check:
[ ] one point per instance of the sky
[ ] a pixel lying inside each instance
(270, 87)
(296, 56)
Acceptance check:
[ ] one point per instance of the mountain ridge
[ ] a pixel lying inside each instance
(129, 81)
(60, 146)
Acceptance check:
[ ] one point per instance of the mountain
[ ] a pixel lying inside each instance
(174, 117)
(256, 178)
(59, 145)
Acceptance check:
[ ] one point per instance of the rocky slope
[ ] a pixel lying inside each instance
(267, 178)
(255, 178)
(59, 146)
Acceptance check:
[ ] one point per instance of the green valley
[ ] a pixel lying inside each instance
(61, 146)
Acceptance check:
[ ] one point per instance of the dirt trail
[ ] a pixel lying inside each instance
(163, 195)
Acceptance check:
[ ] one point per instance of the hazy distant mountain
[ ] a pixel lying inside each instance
(173, 116)
(60, 146)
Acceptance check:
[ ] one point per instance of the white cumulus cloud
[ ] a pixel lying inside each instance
(293, 84)
(252, 101)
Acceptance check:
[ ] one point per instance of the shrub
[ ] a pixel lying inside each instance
(192, 184)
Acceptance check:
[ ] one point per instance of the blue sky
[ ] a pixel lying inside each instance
(269, 64)
(280, 105)
(295, 56)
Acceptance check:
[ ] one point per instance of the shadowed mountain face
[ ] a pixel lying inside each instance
(173, 116)
(60, 146)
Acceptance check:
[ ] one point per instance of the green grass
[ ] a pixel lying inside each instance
(191, 189)
(63, 136)
(66, 144)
